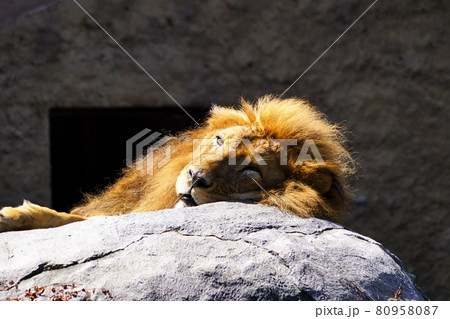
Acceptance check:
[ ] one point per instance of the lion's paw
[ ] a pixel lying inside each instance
(15, 218)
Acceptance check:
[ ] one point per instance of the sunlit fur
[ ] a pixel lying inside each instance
(310, 189)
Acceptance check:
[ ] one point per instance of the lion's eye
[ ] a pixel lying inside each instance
(252, 172)
(251, 168)
(219, 140)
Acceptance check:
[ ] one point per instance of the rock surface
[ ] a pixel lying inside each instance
(221, 251)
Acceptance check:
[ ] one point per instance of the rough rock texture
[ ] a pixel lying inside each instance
(221, 251)
(386, 79)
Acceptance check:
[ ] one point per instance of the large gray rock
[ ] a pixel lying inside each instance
(220, 251)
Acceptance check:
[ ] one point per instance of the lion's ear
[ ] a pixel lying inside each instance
(222, 117)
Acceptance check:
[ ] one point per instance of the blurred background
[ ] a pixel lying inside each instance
(69, 97)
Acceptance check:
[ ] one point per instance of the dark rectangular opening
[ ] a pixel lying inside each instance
(88, 145)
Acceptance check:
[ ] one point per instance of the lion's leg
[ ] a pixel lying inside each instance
(31, 216)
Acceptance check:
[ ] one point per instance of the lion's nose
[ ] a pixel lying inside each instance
(198, 178)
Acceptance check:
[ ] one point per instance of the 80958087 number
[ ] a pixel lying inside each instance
(406, 310)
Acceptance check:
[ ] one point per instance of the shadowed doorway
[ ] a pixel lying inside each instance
(88, 145)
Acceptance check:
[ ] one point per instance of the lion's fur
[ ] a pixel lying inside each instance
(311, 190)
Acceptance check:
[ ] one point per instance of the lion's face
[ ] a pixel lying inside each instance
(230, 164)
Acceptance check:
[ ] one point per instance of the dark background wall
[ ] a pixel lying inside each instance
(386, 80)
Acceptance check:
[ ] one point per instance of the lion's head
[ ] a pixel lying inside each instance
(278, 152)
(234, 163)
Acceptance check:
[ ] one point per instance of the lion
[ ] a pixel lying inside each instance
(254, 152)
